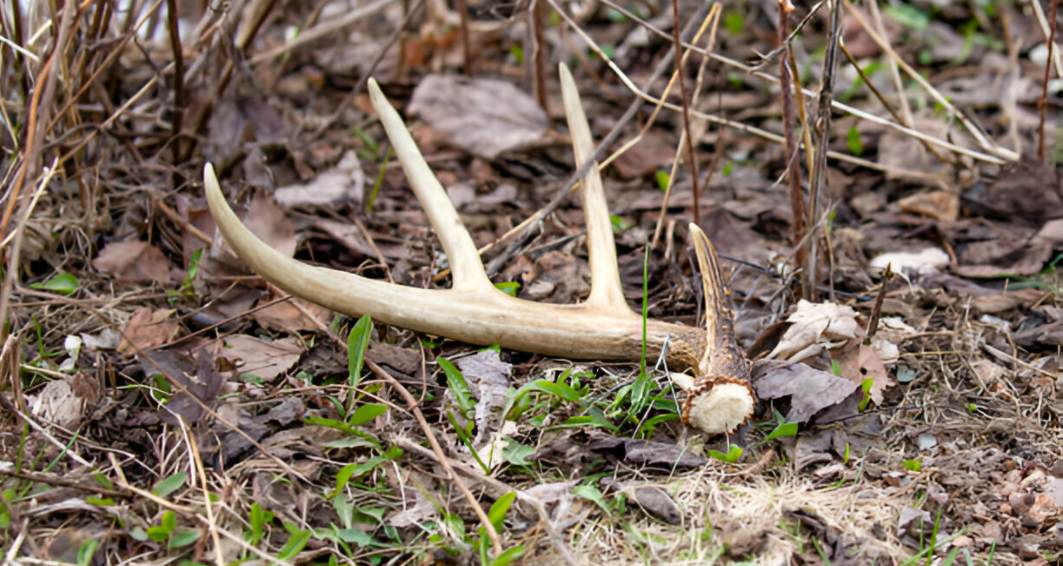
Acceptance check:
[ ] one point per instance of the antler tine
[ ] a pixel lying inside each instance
(465, 265)
(606, 290)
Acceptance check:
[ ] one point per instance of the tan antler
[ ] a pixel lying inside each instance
(603, 327)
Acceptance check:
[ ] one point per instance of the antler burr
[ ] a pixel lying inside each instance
(473, 310)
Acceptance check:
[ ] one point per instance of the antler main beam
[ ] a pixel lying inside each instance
(473, 310)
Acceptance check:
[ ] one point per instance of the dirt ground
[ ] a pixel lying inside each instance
(882, 181)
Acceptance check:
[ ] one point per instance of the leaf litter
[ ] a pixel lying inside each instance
(959, 429)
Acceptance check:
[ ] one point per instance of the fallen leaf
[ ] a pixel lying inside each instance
(810, 390)
(148, 328)
(1004, 252)
(267, 221)
(199, 390)
(488, 378)
(483, 116)
(288, 317)
(912, 263)
(652, 499)
(860, 362)
(1026, 191)
(57, 403)
(654, 150)
(649, 453)
(340, 185)
(265, 359)
(133, 261)
(939, 205)
(815, 327)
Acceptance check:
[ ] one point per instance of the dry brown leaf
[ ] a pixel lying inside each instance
(265, 359)
(286, 317)
(58, 403)
(810, 390)
(133, 261)
(860, 362)
(815, 327)
(340, 185)
(939, 205)
(148, 328)
(485, 117)
(267, 221)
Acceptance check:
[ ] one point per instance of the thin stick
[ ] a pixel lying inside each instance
(895, 73)
(538, 22)
(691, 159)
(975, 132)
(437, 450)
(413, 406)
(466, 43)
(1000, 155)
(1043, 102)
(826, 94)
(882, 99)
(178, 89)
(802, 110)
(1039, 13)
(472, 472)
(791, 162)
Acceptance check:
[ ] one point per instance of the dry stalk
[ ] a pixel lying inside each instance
(882, 100)
(1042, 103)
(692, 161)
(1004, 156)
(537, 16)
(466, 42)
(891, 63)
(1039, 13)
(792, 164)
(974, 131)
(178, 89)
(819, 170)
(414, 407)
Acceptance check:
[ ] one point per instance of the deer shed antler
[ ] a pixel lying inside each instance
(473, 310)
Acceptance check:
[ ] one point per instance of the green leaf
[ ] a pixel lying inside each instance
(517, 454)
(733, 454)
(500, 507)
(359, 469)
(366, 413)
(295, 544)
(727, 169)
(663, 179)
(458, 387)
(836, 368)
(259, 517)
(86, 551)
(594, 495)
(734, 21)
(913, 465)
(546, 386)
(908, 16)
(782, 430)
(856, 145)
(508, 556)
(170, 484)
(357, 343)
(63, 283)
(99, 501)
(508, 287)
(182, 538)
(865, 388)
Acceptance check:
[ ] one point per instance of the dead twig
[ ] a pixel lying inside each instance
(1042, 103)
(792, 164)
(692, 161)
(822, 122)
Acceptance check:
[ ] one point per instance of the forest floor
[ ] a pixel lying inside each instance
(163, 404)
